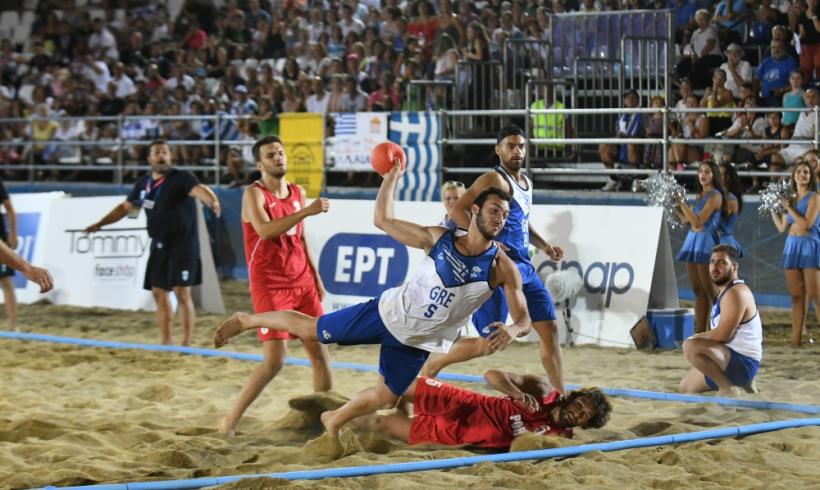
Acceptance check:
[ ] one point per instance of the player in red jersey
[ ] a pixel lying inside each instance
(448, 415)
(281, 273)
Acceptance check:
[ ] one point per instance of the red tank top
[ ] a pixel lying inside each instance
(281, 262)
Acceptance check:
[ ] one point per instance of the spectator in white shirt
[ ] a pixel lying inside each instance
(125, 86)
(350, 23)
(178, 78)
(102, 39)
(319, 100)
(97, 72)
(738, 70)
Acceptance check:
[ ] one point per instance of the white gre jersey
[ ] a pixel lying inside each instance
(427, 311)
(748, 338)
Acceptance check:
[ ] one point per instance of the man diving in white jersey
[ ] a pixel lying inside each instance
(422, 315)
(511, 148)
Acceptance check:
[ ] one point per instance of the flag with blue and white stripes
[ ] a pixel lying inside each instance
(345, 124)
(418, 134)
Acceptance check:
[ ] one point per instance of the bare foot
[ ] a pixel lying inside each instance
(227, 329)
(328, 422)
(751, 387)
(225, 428)
(731, 392)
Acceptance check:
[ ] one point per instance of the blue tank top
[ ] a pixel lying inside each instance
(447, 287)
(792, 101)
(712, 221)
(516, 231)
(726, 226)
(802, 207)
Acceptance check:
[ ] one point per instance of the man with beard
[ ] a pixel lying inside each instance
(726, 357)
(168, 194)
(511, 148)
(422, 315)
(450, 416)
(282, 274)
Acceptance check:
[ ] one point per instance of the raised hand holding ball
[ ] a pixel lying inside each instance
(384, 156)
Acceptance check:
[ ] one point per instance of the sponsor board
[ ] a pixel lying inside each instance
(615, 258)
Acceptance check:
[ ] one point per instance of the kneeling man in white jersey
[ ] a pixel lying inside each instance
(422, 315)
(726, 357)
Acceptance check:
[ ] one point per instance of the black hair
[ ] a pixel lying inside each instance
(729, 250)
(717, 182)
(733, 184)
(510, 130)
(157, 142)
(603, 408)
(491, 191)
(257, 147)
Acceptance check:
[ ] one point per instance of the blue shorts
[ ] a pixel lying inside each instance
(361, 324)
(741, 370)
(495, 309)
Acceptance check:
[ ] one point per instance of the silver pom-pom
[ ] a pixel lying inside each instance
(662, 191)
(770, 196)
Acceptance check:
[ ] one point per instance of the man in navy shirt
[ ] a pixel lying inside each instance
(167, 194)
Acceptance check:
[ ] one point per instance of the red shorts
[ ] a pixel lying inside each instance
(304, 300)
(435, 417)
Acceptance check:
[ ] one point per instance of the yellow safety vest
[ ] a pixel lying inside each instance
(548, 125)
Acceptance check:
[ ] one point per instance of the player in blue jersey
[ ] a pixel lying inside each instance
(422, 315)
(511, 148)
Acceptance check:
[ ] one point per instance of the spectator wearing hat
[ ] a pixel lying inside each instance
(738, 71)
(243, 105)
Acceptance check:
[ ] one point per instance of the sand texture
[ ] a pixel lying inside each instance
(72, 415)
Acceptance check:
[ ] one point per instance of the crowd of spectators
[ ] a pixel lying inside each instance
(255, 59)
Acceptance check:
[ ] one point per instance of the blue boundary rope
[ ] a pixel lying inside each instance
(469, 378)
(449, 463)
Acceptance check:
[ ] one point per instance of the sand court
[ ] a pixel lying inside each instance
(73, 415)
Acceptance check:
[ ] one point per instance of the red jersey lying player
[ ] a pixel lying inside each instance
(449, 415)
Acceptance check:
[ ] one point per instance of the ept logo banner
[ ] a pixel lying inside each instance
(359, 264)
(27, 224)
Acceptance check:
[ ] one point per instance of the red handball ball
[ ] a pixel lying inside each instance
(383, 156)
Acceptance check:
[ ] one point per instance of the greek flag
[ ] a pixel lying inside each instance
(418, 134)
(345, 124)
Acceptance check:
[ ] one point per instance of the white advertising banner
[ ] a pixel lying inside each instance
(104, 269)
(355, 136)
(613, 249)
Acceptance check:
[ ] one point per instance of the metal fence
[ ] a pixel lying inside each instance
(543, 142)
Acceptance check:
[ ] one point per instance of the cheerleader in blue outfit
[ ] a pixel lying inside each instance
(801, 255)
(734, 205)
(696, 251)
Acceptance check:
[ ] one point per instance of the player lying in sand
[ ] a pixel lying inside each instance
(420, 316)
(450, 416)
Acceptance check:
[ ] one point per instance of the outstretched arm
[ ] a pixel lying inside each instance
(119, 212)
(11, 218)
(37, 275)
(208, 198)
(410, 234)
